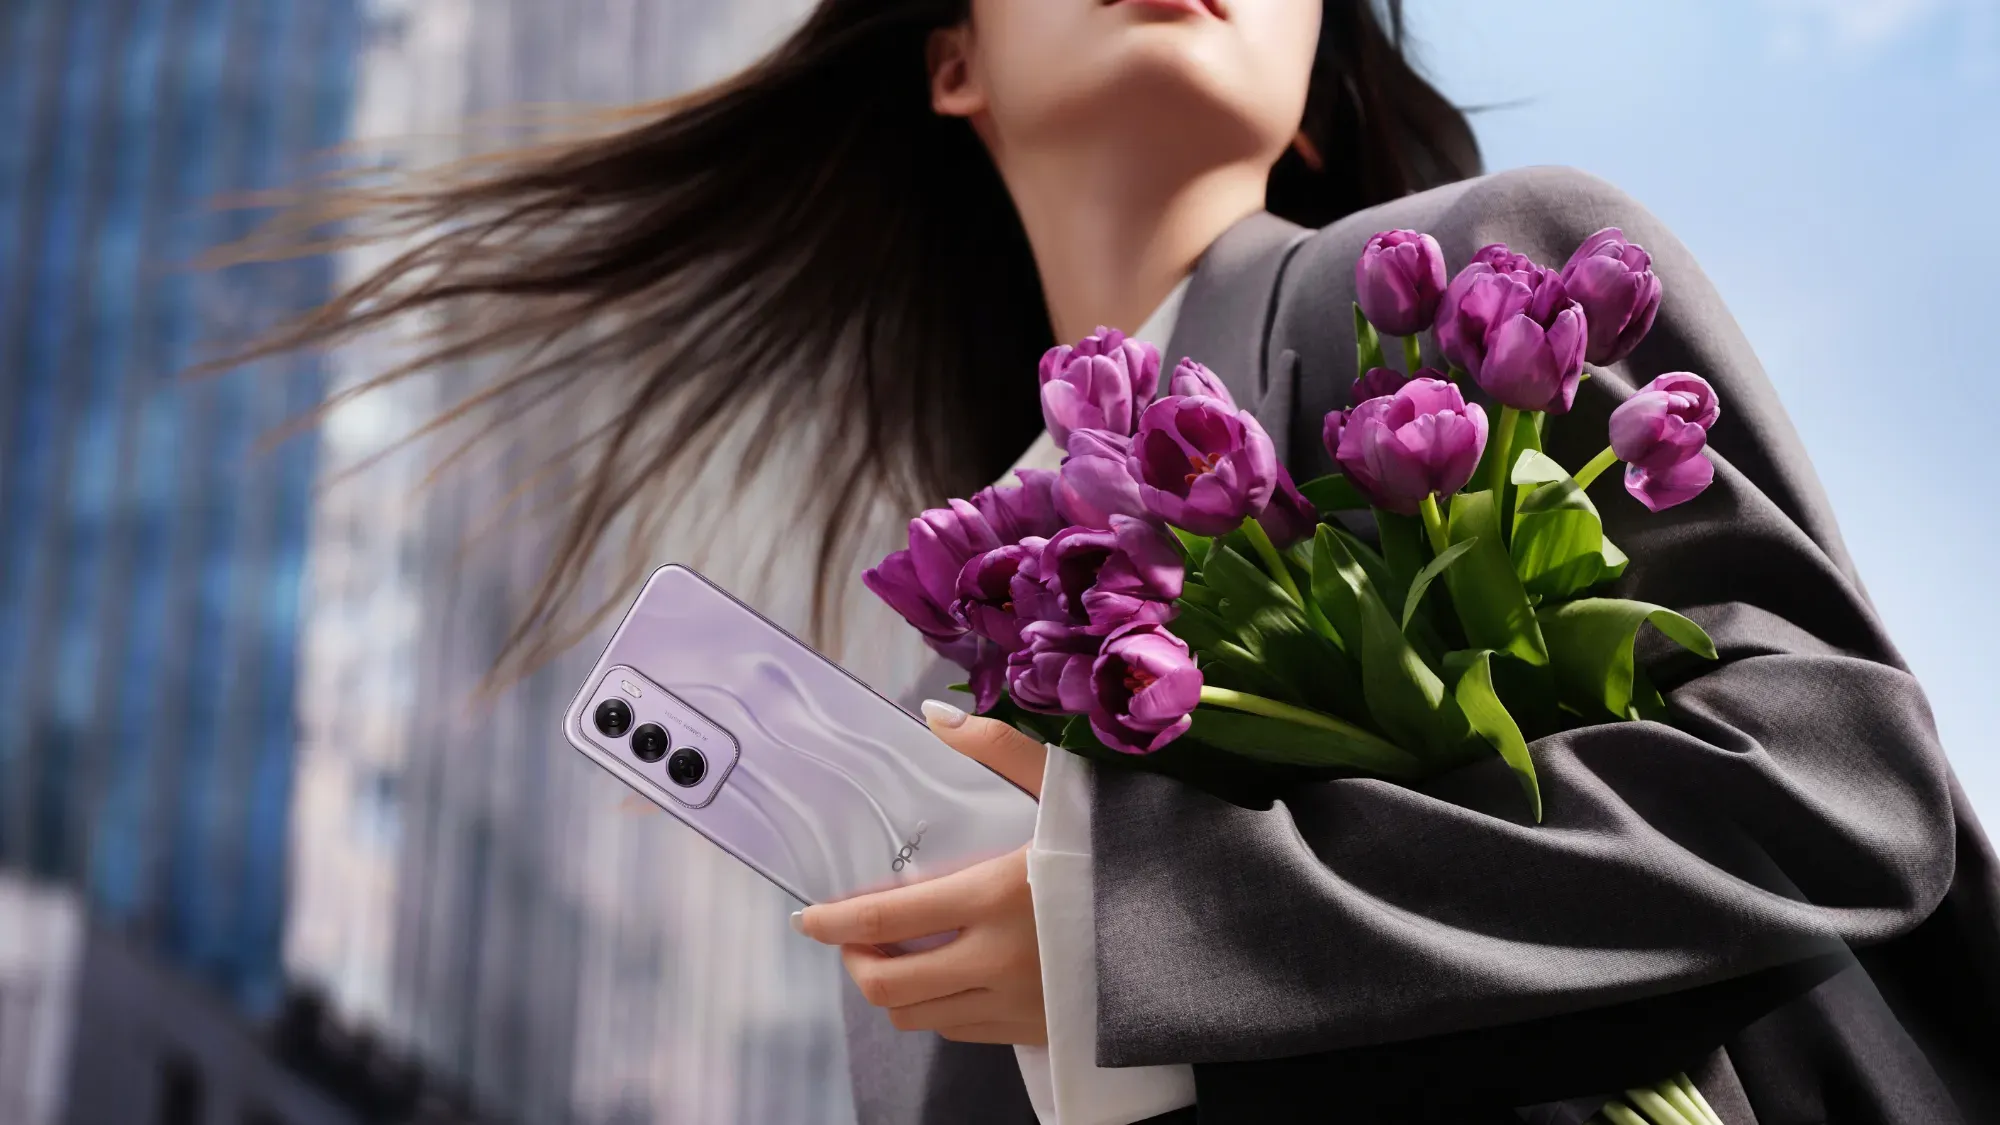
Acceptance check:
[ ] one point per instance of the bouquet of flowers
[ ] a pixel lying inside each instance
(1170, 599)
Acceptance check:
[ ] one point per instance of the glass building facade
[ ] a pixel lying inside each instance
(151, 550)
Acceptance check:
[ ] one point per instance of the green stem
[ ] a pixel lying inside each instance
(1273, 709)
(1413, 354)
(1693, 1093)
(1597, 465)
(1273, 561)
(1434, 524)
(1619, 1114)
(1503, 450)
(1656, 1108)
(1454, 373)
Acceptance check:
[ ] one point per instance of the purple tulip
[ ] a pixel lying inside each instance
(894, 580)
(942, 541)
(1613, 280)
(1103, 579)
(1051, 672)
(1138, 580)
(1202, 466)
(1399, 280)
(1096, 481)
(1017, 511)
(1423, 440)
(1677, 484)
(986, 593)
(1289, 518)
(1534, 355)
(1101, 383)
(1381, 381)
(1666, 423)
(1479, 298)
(1142, 688)
(1497, 257)
(1191, 378)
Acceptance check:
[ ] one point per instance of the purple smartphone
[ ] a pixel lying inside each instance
(778, 755)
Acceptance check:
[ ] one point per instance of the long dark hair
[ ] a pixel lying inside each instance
(803, 247)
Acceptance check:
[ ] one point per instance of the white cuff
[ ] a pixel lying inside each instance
(1064, 1081)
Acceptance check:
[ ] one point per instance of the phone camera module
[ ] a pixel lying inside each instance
(687, 767)
(613, 718)
(650, 742)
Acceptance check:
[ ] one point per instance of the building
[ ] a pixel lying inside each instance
(462, 879)
(96, 1030)
(150, 555)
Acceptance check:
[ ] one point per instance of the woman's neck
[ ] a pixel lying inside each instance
(1110, 244)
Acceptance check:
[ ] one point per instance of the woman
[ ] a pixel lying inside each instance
(872, 235)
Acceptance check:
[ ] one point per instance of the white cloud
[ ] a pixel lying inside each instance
(1856, 24)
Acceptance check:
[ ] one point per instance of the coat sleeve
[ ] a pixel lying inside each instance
(1686, 878)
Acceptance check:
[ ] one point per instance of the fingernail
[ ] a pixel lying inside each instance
(799, 921)
(941, 714)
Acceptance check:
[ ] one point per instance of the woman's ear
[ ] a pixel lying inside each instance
(955, 90)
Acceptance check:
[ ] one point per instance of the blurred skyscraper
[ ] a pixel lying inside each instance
(462, 878)
(150, 558)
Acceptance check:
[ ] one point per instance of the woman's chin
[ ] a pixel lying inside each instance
(1183, 94)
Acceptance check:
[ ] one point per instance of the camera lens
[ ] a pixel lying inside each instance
(614, 718)
(687, 767)
(650, 742)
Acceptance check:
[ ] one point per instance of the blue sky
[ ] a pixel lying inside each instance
(1835, 165)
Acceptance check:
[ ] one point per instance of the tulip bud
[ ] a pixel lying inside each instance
(1100, 383)
(1423, 440)
(1017, 511)
(1479, 298)
(986, 593)
(1399, 280)
(1143, 686)
(1497, 257)
(1613, 280)
(1534, 355)
(1666, 423)
(1050, 674)
(1201, 466)
(1096, 481)
(1289, 517)
(1191, 378)
(1381, 381)
(1677, 484)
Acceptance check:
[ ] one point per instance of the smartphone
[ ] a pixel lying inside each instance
(778, 755)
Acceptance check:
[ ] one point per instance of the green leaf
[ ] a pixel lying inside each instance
(959, 687)
(1429, 574)
(1242, 583)
(1196, 593)
(1315, 672)
(1536, 467)
(1559, 545)
(1040, 727)
(1405, 549)
(1195, 546)
(1472, 686)
(1590, 649)
(1333, 493)
(1277, 740)
(1492, 605)
(1404, 696)
(1367, 344)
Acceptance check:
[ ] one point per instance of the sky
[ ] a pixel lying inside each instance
(1833, 165)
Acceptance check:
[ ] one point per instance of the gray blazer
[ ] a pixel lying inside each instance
(1784, 892)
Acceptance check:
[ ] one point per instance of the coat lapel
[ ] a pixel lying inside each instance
(1225, 319)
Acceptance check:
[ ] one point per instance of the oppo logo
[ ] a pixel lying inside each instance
(908, 851)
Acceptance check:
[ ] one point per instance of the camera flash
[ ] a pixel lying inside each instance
(631, 688)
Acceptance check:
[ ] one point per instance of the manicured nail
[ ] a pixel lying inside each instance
(799, 921)
(938, 713)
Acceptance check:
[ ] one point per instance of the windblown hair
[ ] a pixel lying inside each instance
(804, 247)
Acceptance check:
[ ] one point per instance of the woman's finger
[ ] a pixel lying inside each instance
(960, 1009)
(1015, 1032)
(990, 742)
(935, 906)
(913, 978)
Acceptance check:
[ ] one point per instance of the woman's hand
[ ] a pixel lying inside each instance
(985, 985)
